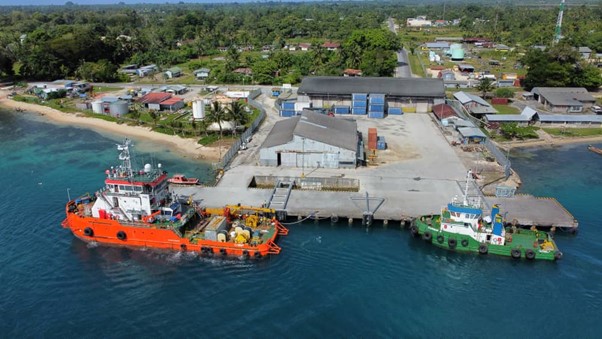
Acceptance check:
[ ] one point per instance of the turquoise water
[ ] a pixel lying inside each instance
(329, 281)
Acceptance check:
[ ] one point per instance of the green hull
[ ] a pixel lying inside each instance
(521, 243)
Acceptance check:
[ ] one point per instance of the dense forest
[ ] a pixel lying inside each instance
(93, 41)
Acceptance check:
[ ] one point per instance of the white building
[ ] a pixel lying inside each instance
(420, 21)
(311, 140)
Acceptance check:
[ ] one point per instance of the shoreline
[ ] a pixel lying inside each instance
(185, 147)
(556, 141)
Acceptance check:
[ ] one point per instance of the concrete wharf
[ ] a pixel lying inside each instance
(403, 198)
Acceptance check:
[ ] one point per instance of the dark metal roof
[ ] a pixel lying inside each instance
(281, 133)
(403, 87)
(334, 131)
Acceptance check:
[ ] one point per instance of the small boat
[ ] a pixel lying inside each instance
(136, 209)
(181, 179)
(461, 227)
(594, 149)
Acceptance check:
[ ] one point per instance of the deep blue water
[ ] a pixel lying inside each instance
(329, 281)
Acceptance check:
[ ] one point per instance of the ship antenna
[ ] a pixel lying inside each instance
(468, 177)
(125, 156)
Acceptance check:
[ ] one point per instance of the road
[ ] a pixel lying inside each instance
(403, 66)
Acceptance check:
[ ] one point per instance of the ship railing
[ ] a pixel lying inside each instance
(273, 248)
(281, 229)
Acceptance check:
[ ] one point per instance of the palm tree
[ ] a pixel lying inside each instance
(217, 114)
(485, 85)
(155, 116)
(236, 114)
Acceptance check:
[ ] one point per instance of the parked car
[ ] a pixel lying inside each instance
(597, 109)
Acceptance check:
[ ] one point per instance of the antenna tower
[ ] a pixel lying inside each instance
(557, 35)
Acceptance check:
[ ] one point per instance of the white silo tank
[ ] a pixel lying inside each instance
(198, 110)
(97, 107)
(119, 108)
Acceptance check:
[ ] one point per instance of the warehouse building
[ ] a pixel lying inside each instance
(564, 99)
(311, 140)
(402, 94)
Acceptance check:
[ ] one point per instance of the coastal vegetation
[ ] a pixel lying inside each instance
(92, 42)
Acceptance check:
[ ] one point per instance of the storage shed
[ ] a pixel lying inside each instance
(311, 140)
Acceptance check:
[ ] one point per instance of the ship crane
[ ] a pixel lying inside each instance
(557, 33)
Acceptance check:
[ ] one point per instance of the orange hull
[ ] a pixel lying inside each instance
(105, 231)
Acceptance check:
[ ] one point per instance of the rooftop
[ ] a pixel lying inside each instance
(312, 125)
(154, 98)
(403, 87)
(564, 96)
(465, 98)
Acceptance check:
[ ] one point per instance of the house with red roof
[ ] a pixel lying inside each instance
(160, 101)
(331, 46)
(350, 72)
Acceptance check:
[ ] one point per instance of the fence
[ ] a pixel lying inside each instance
(243, 137)
(491, 147)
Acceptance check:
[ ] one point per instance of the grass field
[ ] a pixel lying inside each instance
(574, 132)
(506, 109)
(415, 65)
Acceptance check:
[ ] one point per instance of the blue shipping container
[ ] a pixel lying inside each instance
(395, 110)
(360, 104)
(359, 96)
(341, 109)
(377, 108)
(359, 110)
(381, 145)
(288, 105)
(377, 115)
(287, 114)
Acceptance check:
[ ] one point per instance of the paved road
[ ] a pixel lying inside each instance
(403, 66)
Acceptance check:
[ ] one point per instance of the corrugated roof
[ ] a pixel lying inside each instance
(564, 96)
(461, 123)
(171, 101)
(443, 111)
(577, 118)
(471, 132)
(483, 110)
(154, 98)
(403, 87)
(507, 117)
(338, 132)
(465, 98)
(281, 133)
(437, 45)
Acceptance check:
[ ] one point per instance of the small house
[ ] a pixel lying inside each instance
(585, 52)
(201, 73)
(331, 46)
(350, 72)
(173, 72)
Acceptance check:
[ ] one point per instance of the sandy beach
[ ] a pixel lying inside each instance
(186, 147)
(555, 141)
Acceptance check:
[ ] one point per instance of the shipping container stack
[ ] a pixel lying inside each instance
(359, 103)
(376, 106)
(339, 109)
(372, 139)
(288, 109)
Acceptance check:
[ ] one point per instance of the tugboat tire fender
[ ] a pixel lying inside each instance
(515, 253)
(529, 254)
(483, 249)
(183, 247)
(245, 253)
(223, 251)
(121, 235)
(464, 243)
(88, 232)
(557, 255)
(414, 230)
(427, 236)
(440, 239)
(257, 254)
(452, 243)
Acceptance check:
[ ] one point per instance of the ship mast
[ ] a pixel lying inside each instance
(125, 157)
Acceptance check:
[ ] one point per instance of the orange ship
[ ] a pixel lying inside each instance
(136, 209)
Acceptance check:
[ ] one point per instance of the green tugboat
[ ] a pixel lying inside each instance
(461, 227)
